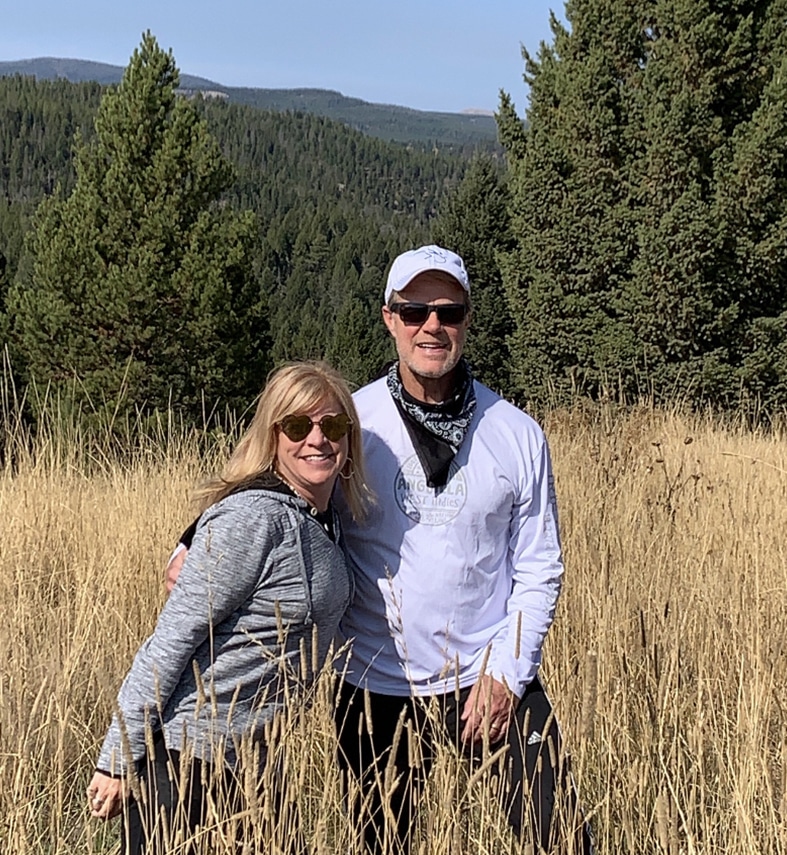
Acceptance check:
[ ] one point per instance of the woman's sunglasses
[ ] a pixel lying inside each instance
(333, 428)
(411, 314)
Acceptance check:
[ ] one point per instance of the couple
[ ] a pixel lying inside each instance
(453, 574)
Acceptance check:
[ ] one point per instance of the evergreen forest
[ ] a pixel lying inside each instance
(107, 273)
(634, 242)
(462, 132)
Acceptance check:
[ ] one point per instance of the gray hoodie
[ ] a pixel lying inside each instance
(260, 577)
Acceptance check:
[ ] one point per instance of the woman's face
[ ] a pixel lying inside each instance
(312, 464)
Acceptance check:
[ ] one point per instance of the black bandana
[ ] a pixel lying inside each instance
(436, 430)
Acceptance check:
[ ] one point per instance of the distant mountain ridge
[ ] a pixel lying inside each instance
(387, 121)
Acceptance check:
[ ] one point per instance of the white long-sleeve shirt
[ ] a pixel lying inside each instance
(455, 580)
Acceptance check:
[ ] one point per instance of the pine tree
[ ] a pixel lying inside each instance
(141, 282)
(475, 223)
(649, 202)
(360, 344)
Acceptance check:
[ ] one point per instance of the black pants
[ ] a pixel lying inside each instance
(173, 799)
(532, 777)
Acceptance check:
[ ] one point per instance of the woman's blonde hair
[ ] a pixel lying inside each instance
(293, 389)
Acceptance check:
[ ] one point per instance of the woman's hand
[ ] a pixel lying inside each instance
(105, 796)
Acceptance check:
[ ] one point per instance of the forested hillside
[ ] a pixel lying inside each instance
(331, 206)
(633, 244)
(649, 205)
(458, 131)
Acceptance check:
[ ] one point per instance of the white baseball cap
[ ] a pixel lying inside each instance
(412, 263)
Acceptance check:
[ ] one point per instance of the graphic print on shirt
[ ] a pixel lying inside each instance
(424, 504)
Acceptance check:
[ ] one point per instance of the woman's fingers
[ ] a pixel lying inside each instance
(105, 796)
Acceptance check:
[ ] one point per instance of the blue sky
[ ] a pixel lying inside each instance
(426, 54)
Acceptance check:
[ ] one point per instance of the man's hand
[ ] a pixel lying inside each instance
(175, 566)
(105, 796)
(489, 701)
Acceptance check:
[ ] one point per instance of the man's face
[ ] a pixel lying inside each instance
(431, 349)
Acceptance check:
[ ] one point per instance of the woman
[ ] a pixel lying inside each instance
(265, 576)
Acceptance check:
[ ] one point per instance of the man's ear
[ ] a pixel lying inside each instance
(388, 319)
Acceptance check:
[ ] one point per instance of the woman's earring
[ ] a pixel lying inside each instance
(351, 472)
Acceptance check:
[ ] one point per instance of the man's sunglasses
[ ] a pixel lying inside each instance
(297, 428)
(417, 313)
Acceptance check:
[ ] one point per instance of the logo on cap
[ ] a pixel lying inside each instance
(434, 253)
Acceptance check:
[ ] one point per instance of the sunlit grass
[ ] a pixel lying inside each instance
(667, 662)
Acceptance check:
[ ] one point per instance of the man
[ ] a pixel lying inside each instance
(457, 570)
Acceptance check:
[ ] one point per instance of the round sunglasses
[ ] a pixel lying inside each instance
(411, 314)
(297, 428)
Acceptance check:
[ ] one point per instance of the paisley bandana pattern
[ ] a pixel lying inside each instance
(437, 430)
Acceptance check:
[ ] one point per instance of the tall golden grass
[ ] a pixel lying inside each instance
(667, 661)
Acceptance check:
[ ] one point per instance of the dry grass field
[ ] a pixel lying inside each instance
(667, 661)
